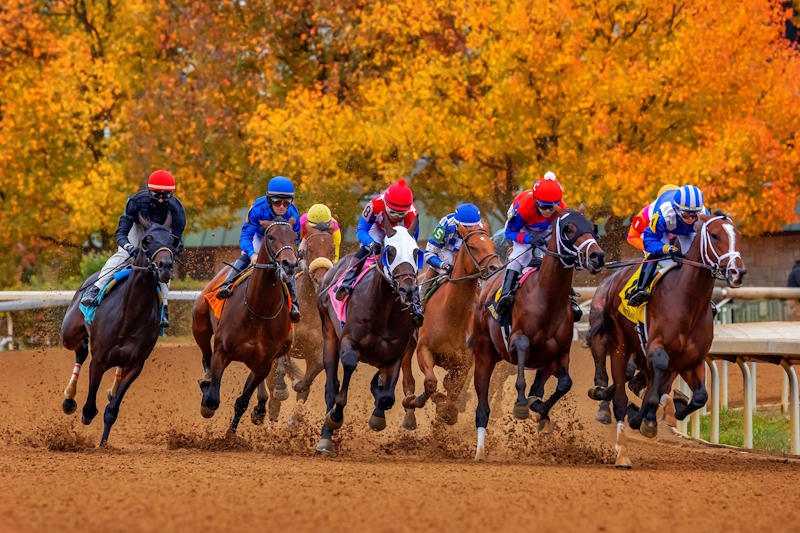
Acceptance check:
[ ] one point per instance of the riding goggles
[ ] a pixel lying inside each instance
(396, 214)
(686, 215)
(546, 206)
(281, 202)
(162, 196)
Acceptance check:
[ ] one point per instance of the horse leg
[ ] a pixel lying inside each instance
(281, 391)
(521, 344)
(484, 366)
(385, 397)
(349, 358)
(453, 383)
(597, 344)
(202, 331)
(69, 405)
(254, 381)
(463, 394)
(96, 371)
(259, 412)
(620, 404)
(128, 376)
(115, 385)
(563, 385)
(426, 363)
(313, 367)
(696, 379)
(210, 402)
(330, 360)
(659, 360)
(409, 385)
(273, 404)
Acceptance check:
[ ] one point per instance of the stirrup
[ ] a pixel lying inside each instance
(225, 291)
(638, 298)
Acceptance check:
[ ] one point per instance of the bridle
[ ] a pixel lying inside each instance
(707, 249)
(481, 272)
(566, 252)
(274, 265)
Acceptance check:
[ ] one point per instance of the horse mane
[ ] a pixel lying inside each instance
(322, 226)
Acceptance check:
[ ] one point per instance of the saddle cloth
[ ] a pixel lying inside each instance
(340, 308)
(505, 320)
(89, 312)
(636, 314)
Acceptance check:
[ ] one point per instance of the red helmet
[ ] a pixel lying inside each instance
(161, 180)
(398, 196)
(548, 189)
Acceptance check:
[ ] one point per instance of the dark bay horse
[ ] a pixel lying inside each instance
(442, 339)
(541, 329)
(317, 260)
(126, 325)
(254, 327)
(679, 330)
(378, 330)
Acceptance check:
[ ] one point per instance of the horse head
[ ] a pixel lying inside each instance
(719, 247)
(160, 246)
(319, 253)
(279, 245)
(480, 248)
(401, 257)
(576, 241)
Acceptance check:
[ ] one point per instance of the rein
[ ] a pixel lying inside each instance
(481, 272)
(273, 265)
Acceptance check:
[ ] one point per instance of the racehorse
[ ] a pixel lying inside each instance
(378, 329)
(126, 325)
(316, 261)
(442, 339)
(540, 334)
(254, 327)
(679, 330)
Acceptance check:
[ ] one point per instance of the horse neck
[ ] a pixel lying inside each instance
(554, 280)
(263, 282)
(459, 295)
(140, 290)
(694, 283)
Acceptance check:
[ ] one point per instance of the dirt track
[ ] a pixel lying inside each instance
(168, 469)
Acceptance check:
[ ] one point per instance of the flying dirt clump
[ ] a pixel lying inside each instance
(59, 435)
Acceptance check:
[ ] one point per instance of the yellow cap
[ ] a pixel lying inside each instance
(319, 213)
(667, 187)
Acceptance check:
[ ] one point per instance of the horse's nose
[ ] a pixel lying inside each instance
(735, 276)
(290, 266)
(598, 258)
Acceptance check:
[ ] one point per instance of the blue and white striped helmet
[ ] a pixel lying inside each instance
(689, 198)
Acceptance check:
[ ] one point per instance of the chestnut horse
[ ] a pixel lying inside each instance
(126, 325)
(254, 327)
(316, 261)
(378, 330)
(540, 335)
(442, 339)
(679, 330)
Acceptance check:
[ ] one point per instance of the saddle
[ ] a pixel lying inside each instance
(433, 286)
(636, 314)
(89, 312)
(211, 297)
(505, 319)
(340, 308)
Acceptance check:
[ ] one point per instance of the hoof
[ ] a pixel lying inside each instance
(679, 397)
(84, 421)
(69, 406)
(377, 423)
(408, 402)
(325, 446)
(206, 412)
(448, 414)
(649, 429)
(299, 386)
(332, 424)
(521, 412)
(623, 463)
(544, 427)
(603, 416)
(594, 392)
(409, 421)
(257, 416)
(281, 394)
(480, 455)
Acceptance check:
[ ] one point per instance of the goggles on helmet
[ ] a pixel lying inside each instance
(280, 202)
(396, 214)
(162, 196)
(686, 215)
(546, 206)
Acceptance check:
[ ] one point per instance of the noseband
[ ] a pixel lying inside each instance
(151, 267)
(273, 264)
(566, 251)
(481, 272)
(715, 264)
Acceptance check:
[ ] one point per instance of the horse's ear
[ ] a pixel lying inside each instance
(581, 208)
(168, 222)
(264, 223)
(560, 211)
(144, 222)
(388, 229)
(414, 225)
(462, 230)
(486, 226)
(291, 221)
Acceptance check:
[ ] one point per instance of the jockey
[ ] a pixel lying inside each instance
(153, 204)
(397, 205)
(675, 214)
(278, 202)
(445, 242)
(320, 214)
(529, 226)
(642, 220)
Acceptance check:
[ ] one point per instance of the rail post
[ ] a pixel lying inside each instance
(747, 410)
(794, 397)
(724, 385)
(753, 396)
(10, 324)
(714, 437)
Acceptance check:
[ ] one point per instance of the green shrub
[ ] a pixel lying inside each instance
(93, 262)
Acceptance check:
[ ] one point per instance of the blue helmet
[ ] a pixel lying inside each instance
(468, 214)
(280, 187)
(689, 198)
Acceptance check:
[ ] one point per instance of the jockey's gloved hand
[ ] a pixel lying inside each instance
(375, 248)
(672, 250)
(537, 241)
(447, 268)
(132, 250)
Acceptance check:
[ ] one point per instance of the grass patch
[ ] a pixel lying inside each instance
(770, 433)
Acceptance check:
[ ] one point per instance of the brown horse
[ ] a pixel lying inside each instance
(442, 339)
(378, 330)
(679, 330)
(317, 260)
(125, 328)
(540, 335)
(254, 327)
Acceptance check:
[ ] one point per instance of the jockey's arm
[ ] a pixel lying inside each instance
(179, 224)
(434, 248)
(654, 234)
(362, 231)
(294, 215)
(638, 225)
(249, 230)
(514, 231)
(126, 222)
(337, 240)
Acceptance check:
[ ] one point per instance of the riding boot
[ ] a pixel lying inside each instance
(226, 289)
(165, 317)
(345, 287)
(646, 275)
(294, 314)
(416, 310)
(90, 298)
(506, 301)
(577, 312)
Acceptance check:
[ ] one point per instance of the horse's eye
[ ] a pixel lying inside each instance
(714, 236)
(270, 237)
